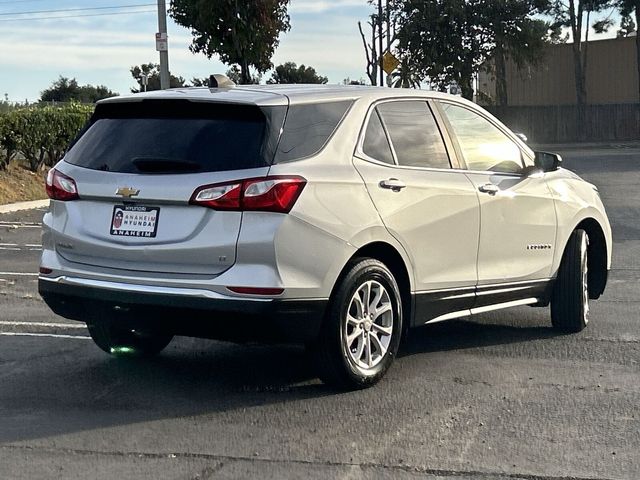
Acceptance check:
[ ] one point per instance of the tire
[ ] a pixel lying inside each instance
(356, 347)
(119, 340)
(570, 296)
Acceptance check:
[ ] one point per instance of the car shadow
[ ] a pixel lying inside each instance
(466, 334)
(82, 389)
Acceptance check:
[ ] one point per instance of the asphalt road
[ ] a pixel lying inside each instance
(500, 396)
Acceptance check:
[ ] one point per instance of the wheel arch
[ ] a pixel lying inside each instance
(597, 254)
(391, 257)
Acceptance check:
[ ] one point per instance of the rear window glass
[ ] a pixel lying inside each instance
(176, 137)
(375, 143)
(414, 134)
(308, 128)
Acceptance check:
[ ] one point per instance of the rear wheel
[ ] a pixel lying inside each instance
(361, 332)
(122, 340)
(570, 297)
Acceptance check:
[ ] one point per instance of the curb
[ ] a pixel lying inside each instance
(16, 207)
(583, 146)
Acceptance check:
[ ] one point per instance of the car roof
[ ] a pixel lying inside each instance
(283, 94)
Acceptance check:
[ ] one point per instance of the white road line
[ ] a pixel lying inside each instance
(13, 225)
(20, 334)
(43, 324)
(8, 244)
(32, 245)
(23, 224)
(19, 274)
(13, 249)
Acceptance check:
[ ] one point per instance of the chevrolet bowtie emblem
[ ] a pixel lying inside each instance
(127, 192)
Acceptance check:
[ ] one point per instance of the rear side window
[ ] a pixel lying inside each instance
(176, 137)
(414, 134)
(376, 145)
(308, 128)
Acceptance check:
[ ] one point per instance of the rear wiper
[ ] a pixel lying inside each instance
(164, 165)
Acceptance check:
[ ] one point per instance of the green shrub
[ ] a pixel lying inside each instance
(8, 144)
(41, 134)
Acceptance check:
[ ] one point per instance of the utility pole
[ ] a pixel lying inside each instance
(162, 45)
(380, 40)
(388, 39)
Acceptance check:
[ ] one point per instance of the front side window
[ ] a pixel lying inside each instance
(484, 146)
(414, 134)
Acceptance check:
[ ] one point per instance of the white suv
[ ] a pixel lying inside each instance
(337, 217)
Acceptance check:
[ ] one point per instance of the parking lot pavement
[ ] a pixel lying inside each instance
(500, 396)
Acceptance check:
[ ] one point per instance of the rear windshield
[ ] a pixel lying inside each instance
(177, 137)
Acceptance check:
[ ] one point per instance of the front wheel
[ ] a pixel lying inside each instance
(122, 340)
(362, 329)
(570, 297)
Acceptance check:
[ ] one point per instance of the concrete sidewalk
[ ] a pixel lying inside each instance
(16, 207)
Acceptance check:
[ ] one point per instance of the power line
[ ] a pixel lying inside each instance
(73, 16)
(3, 2)
(78, 9)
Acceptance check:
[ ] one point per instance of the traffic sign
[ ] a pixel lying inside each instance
(389, 62)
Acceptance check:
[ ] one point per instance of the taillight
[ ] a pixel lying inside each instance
(61, 187)
(267, 194)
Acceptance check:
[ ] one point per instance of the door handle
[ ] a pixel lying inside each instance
(392, 184)
(489, 188)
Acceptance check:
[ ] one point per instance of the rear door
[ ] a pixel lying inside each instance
(431, 209)
(136, 168)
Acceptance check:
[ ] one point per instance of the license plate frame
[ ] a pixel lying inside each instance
(138, 221)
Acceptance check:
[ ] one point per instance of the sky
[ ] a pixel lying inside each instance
(100, 49)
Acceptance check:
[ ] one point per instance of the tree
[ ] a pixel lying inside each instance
(152, 70)
(381, 35)
(199, 82)
(628, 8)
(68, 90)
(289, 72)
(627, 27)
(235, 76)
(240, 32)
(447, 41)
(576, 15)
(348, 81)
(371, 49)
(405, 76)
(517, 36)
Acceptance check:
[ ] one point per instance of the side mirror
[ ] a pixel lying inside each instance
(548, 162)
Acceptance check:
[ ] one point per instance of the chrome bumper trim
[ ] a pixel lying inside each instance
(134, 287)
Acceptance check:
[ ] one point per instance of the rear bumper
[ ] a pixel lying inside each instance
(187, 312)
